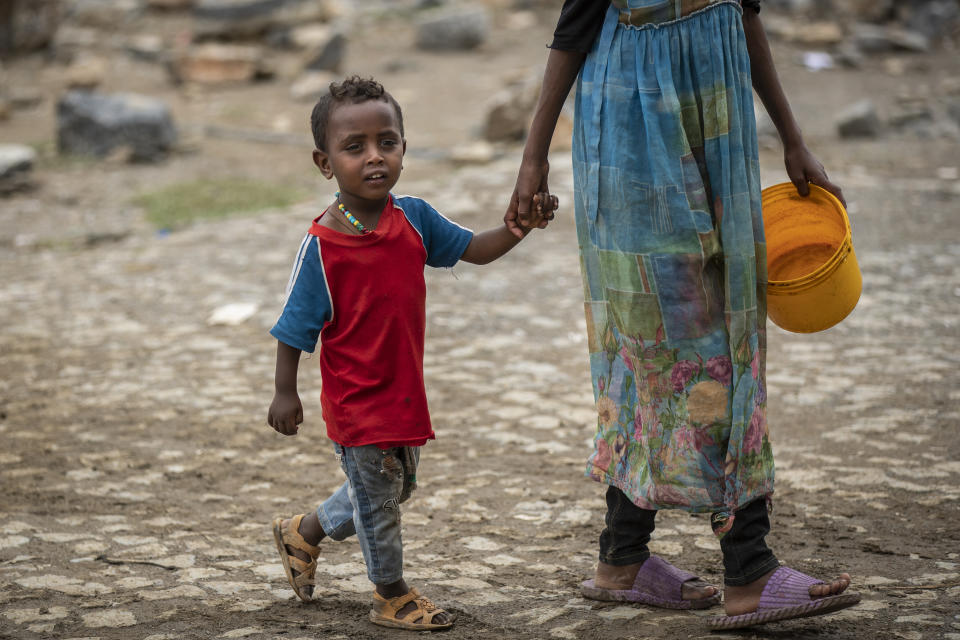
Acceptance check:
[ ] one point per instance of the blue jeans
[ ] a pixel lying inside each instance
(368, 505)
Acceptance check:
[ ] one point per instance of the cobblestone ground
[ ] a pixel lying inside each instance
(139, 478)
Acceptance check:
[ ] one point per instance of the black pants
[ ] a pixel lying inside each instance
(746, 555)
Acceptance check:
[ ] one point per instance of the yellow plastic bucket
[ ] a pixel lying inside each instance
(814, 280)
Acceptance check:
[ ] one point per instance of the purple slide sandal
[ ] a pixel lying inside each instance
(658, 584)
(786, 596)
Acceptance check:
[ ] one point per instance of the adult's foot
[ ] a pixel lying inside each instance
(746, 599)
(621, 578)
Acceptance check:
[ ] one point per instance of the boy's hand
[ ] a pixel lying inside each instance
(542, 208)
(285, 413)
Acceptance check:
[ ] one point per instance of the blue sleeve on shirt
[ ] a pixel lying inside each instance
(308, 307)
(444, 240)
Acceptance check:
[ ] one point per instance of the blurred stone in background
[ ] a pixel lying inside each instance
(28, 25)
(102, 124)
(454, 29)
(248, 19)
(16, 167)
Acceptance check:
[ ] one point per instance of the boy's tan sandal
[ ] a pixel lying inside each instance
(384, 612)
(289, 535)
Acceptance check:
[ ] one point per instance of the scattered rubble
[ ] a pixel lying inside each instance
(304, 44)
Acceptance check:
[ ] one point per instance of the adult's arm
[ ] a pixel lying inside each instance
(579, 24)
(802, 167)
(561, 71)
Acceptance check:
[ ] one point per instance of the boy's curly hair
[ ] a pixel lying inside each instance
(353, 90)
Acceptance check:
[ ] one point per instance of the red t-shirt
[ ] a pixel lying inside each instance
(364, 297)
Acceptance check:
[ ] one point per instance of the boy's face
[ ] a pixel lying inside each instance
(364, 149)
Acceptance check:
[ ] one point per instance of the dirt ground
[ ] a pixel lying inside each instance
(138, 477)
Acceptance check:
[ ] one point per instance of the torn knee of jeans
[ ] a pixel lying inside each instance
(391, 505)
(391, 465)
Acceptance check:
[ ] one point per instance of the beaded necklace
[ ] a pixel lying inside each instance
(349, 216)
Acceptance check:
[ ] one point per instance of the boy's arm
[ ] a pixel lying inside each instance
(487, 246)
(802, 167)
(286, 412)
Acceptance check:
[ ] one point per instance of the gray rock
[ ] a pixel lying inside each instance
(508, 113)
(953, 110)
(849, 55)
(244, 19)
(870, 38)
(170, 5)
(16, 165)
(99, 124)
(859, 120)
(506, 119)
(16, 157)
(908, 40)
(309, 87)
(912, 117)
(104, 13)
(935, 19)
(148, 47)
(27, 25)
(950, 86)
(868, 10)
(793, 6)
(873, 38)
(329, 55)
(459, 29)
(24, 97)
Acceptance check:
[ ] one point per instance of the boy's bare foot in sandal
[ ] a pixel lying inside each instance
(297, 539)
(395, 605)
(399, 606)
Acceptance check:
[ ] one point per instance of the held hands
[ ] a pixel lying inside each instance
(531, 205)
(542, 208)
(285, 413)
(803, 168)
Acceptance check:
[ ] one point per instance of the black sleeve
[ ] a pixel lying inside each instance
(752, 4)
(579, 25)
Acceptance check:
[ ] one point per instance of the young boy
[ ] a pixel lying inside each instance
(357, 286)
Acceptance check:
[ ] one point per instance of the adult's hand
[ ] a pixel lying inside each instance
(804, 169)
(531, 179)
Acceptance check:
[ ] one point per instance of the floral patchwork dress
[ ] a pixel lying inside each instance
(673, 257)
